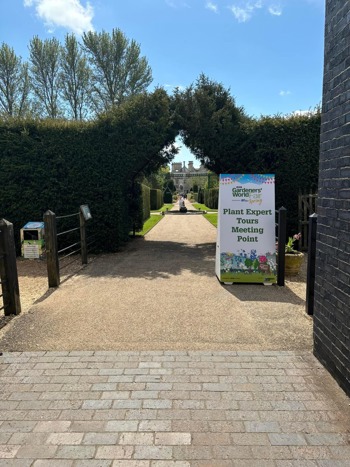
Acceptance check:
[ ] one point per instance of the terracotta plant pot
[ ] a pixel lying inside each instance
(293, 262)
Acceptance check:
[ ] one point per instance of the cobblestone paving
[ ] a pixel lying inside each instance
(171, 409)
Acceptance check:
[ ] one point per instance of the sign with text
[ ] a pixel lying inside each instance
(245, 248)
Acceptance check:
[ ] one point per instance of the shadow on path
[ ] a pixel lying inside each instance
(161, 293)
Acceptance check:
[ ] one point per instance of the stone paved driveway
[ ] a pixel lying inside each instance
(170, 409)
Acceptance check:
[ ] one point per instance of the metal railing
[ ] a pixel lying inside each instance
(54, 254)
(9, 288)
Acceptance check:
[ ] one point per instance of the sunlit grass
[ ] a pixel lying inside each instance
(212, 218)
(164, 208)
(203, 207)
(148, 225)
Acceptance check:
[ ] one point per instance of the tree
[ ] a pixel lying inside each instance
(14, 83)
(45, 63)
(211, 125)
(118, 69)
(75, 78)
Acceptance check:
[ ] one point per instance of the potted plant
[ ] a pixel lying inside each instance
(293, 258)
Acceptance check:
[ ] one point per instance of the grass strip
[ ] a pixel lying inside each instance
(203, 207)
(212, 218)
(148, 225)
(163, 208)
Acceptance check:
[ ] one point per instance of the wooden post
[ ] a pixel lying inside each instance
(311, 265)
(8, 270)
(53, 269)
(83, 245)
(282, 232)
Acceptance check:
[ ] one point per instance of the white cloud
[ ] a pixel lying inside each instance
(285, 93)
(275, 10)
(211, 6)
(304, 113)
(68, 14)
(243, 10)
(174, 86)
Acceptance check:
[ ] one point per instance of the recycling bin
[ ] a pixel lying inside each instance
(32, 240)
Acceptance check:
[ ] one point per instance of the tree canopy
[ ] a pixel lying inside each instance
(211, 124)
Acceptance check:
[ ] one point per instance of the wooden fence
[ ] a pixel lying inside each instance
(307, 205)
(53, 253)
(9, 291)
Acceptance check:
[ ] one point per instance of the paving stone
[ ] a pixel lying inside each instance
(136, 439)
(170, 464)
(172, 439)
(155, 425)
(36, 452)
(286, 439)
(64, 438)
(53, 463)
(153, 452)
(122, 425)
(97, 404)
(114, 452)
(75, 452)
(201, 409)
(8, 451)
(131, 463)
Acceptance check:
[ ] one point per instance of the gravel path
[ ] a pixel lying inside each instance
(161, 293)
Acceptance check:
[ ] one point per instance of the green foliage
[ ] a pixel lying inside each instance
(156, 199)
(211, 198)
(14, 83)
(289, 148)
(168, 196)
(146, 203)
(75, 78)
(59, 165)
(212, 218)
(148, 225)
(210, 124)
(44, 69)
(118, 69)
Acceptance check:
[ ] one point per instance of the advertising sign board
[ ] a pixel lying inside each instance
(246, 236)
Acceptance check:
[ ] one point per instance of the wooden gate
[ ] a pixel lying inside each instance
(307, 205)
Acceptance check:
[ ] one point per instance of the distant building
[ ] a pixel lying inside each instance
(184, 177)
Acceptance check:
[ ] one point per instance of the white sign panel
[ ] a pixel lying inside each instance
(246, 236)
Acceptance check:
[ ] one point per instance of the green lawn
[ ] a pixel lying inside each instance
(148, 225)
(203, 207)
(212, 218)
(164, 208)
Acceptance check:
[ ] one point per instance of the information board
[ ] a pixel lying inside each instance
(246, 238)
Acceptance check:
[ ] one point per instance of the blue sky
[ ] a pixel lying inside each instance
(268, 52)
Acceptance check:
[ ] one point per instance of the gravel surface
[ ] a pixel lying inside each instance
(160, 293)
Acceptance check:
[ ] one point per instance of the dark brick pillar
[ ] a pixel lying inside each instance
(332, 292)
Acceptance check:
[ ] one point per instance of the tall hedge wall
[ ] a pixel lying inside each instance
(156, 199)
(146, 203)
(59, 165)
(289, 148)
(211, 198)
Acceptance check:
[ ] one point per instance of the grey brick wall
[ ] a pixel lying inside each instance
(332, 288)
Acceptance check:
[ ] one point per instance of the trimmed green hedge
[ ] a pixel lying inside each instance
(60, 165)
(156, 199)
(211, 198)
(146, 202)
(289, 148)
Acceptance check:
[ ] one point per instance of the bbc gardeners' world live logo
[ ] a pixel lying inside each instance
(247, 194)
(242, 192)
